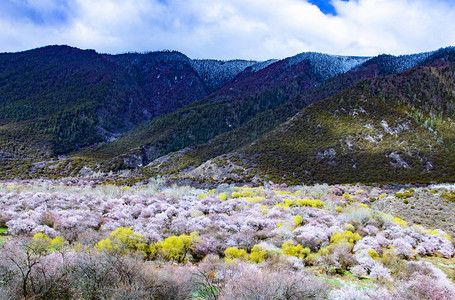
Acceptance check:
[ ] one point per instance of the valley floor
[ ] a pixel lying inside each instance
(76, 239)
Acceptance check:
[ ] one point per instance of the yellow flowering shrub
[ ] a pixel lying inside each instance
(300, 202)
(176, 248)
(400, 222)
(232, 253)
(298, 220)
(345, 236)
(290, 249)
(122, 240)
(373, 254)
(41, 243)
(258, 254)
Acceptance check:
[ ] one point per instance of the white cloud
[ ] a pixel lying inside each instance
(251, 29)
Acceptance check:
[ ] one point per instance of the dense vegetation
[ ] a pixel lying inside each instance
(79, 240)
(397, 128)
(45, 95)
(267, 120)
(233, 105)
(308, 118)
(71, 98)
(113, 230)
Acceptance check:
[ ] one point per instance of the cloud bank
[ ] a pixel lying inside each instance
(250, 29)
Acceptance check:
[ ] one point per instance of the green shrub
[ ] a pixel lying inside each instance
(406, 194)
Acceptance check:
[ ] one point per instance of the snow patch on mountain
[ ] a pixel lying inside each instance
(326, 65)
(396, 64)
(215, 73)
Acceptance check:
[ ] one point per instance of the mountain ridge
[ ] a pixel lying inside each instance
(382, 130)
(222, 114)
(49, 80)
(228, 108)
(267, 120)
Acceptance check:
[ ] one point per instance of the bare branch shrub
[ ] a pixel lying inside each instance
(253, 283)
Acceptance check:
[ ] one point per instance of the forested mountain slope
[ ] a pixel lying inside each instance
(268, 120)
(386, 129)
(238, 101)
(308, 118)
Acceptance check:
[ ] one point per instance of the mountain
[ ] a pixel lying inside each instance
(290, 76)
(57, 99)
(64, 94)
(308, 118)
(265, 121)
(251, 92)
(167, 80)
(390, 128)
(215, 73)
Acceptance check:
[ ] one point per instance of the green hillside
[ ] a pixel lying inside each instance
(267, 120)
(71, 112)
(62, 94)
(249, 95)
(397, 128)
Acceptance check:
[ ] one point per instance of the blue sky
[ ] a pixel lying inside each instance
(325, 6)
(248, 29)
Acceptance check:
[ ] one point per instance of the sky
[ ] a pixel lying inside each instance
(229, 29)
